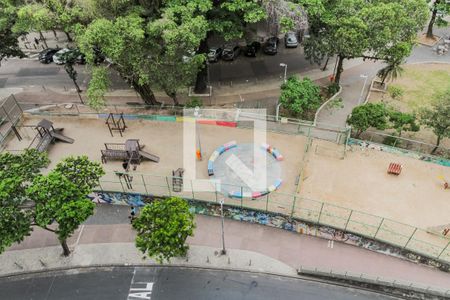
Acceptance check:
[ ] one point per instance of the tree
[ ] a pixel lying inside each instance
(375, 30)
(155, 59)
(70, 59)
(9, 46)
(56, 202)
(392, 71)
(85, 174)
(229, 20)
(59, 201)
(16, 173)
(402, 121)
(163, 227)
(437, 117)
(368, 115)
(439, 9)
(299, 96)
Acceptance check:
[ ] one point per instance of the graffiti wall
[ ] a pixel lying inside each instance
(277, 221)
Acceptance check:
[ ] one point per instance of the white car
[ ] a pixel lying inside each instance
(57, 59)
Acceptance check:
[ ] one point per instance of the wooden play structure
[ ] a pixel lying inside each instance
(116, 122)
(394, 169)
(47, 135)
(177, 179)
(130, 152)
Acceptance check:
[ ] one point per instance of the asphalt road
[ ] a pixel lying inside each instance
(30, 72)
(172, 283)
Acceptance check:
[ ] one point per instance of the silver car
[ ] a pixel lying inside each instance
(290, 40)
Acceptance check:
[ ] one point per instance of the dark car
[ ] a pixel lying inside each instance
(214, 54)
(271, 46)
(46, 56)
(230, 52)
(252, 49)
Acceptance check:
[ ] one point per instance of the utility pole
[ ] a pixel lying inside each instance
(223, 251)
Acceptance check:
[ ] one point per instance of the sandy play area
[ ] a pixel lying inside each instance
(359, 182)
(163, 139)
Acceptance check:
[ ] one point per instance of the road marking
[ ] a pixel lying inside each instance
(330, 244)
(140, 290)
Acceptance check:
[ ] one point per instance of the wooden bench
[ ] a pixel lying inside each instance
(394, 169)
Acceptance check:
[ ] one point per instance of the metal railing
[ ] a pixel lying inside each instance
(316, 212)
(405, 143)
(171, 113)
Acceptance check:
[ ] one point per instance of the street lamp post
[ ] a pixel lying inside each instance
(223, 251)
(285, 71)
(364, 86)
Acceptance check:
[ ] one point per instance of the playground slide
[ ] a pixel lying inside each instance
(149, 156)
(62, 138)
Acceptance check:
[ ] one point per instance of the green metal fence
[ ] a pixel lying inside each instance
(321, 213)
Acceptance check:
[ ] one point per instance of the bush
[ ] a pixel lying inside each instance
(300, 96)
(194, 102)
(332, 89)
(395, 91)
(368, 115)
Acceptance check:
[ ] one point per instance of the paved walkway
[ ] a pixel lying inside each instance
(354, 91)
(107, 238)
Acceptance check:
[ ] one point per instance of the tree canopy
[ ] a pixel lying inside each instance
(56, 202)
(163, 227)
(437, 117)
(300, 95)
(368, 115)
(9, 45)
(377, 30)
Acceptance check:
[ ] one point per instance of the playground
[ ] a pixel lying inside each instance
(359, 181)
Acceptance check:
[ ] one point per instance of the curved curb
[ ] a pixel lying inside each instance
(329, 281)
(325, 104)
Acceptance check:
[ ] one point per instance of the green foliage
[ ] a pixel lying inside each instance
(378, 30)
(299, 96)
(332, 89)
(27, 198)
(437, 117)
(85, 174)
(336, 103)
(98, 86)
(402, 121)
(194, 102)
(286, 24)
(59, 200)
(392, 71)
(163, 227)
(16, 173)
(368, 115)
(395, 91)
(9, 46)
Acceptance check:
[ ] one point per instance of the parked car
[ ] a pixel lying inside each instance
(271, 46)
(46, 56)
(214, 54)
(188, 56)
(290, 40)
(58, 57)
(252, 49)
(230, 52)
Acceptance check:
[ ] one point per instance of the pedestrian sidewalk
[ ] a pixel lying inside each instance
(249, 247)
